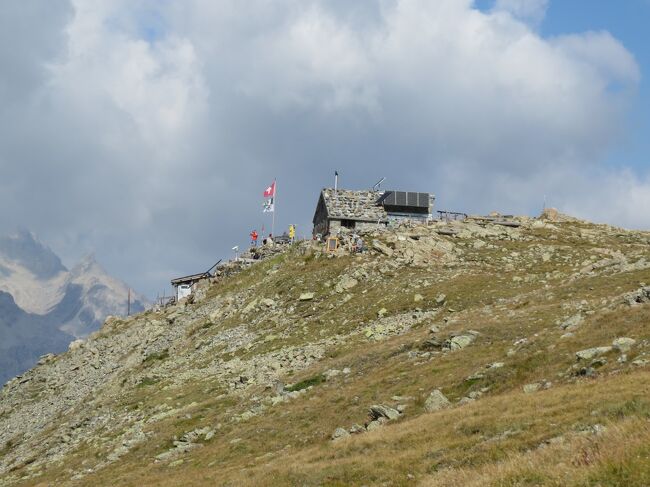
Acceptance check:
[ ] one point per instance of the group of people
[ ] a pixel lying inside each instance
(286, 237)
(354, 243)
(266, 241)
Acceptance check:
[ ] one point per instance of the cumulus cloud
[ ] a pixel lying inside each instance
(528, 10)
(148, 128)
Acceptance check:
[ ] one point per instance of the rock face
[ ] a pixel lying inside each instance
(24, 337)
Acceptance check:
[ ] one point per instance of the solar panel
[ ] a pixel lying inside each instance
(404, 199)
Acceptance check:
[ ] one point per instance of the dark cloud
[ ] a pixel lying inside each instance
(31, 36)
(146, 131)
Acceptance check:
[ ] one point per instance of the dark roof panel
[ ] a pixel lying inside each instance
(405, 199)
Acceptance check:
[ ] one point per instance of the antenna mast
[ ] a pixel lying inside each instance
(378, 184)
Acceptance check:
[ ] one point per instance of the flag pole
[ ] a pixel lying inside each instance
(275, 201)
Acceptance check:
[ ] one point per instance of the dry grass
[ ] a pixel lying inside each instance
(506, 438)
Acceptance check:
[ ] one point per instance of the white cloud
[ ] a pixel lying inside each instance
(532, 11)
(157, 86)
(160, 143)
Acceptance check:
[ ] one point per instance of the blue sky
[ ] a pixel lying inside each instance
(627, 21)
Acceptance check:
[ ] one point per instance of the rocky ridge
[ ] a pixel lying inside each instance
(477, 301)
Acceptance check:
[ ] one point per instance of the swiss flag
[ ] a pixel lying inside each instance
(270, 191)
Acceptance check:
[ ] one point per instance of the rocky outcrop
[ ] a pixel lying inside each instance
(436, 401)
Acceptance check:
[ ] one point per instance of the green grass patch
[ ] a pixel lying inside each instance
(157, 356)
(148, 381)
(304, 384)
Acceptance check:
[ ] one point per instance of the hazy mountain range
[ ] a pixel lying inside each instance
(44, 306)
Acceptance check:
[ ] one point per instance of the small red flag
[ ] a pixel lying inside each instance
(270, 191)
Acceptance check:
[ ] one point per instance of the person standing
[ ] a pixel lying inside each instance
(254, 238)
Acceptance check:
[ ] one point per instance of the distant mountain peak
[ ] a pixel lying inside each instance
(23, 247)
(87, 263)
(43, 306)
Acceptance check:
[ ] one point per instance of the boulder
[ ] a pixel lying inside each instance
(459, 341)
(623, 344)
(550, 214)
(572, 322)
(345, 284)
(417, 298)
(331, 373)
(382, 411)
(479, 244)
(384, 249)
(537, 386)
(590, 353)
(76, 345)
(495, 365)
(377, 423)
(440, 299)
(639, 296)
(340, 433)
(534, 387)
(306, 297)
(269, 303)
(436, 401)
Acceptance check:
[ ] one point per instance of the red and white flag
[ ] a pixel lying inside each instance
(270, 191)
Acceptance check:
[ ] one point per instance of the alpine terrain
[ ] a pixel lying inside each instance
(44, 306)
(468, 353)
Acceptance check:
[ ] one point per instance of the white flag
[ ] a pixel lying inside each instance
(269, 206)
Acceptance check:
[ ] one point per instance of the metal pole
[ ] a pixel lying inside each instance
(128, 306)
(275, 200)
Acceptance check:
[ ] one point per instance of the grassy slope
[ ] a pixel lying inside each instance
(492, 441)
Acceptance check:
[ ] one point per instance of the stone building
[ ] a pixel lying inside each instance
(343, 210)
